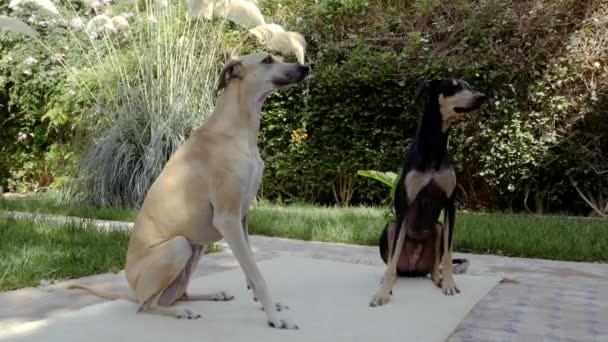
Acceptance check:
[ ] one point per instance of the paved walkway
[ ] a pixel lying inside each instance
(553, 301)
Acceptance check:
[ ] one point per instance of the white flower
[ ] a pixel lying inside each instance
(594, 97)
(299, 20)
(30, 60)
(76, 23)
(152, 19)
(95, 5)
(27, 72)
(21, 137)
(43, 23)
(57, 57)
(72, 92)
(127, 15)
(32, 18)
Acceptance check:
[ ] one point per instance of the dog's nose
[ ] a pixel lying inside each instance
(304, 69)
(481, 97)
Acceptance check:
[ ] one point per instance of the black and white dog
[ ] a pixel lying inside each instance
(415, 243)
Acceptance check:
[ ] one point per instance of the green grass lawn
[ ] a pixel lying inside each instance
(35, 249)
(548, 237)
(50, 203)
(32, 250)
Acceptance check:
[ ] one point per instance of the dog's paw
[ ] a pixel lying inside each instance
(186, 313)
(222, 297)
(280, 307)
(282, 324)
(448, 286)
(380, 298)
(436, 278)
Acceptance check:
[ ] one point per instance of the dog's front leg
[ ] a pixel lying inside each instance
(246, 234)
(279, 306)
(435, 274)
(383, 295)
(447, 284)
(232, 231)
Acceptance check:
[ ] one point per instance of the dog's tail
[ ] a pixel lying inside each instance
(460, 265)
(103, 294)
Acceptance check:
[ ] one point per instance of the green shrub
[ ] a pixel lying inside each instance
(33, 82)
(542, 60)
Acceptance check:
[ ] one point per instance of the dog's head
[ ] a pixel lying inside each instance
(454, 97)
(262, 73)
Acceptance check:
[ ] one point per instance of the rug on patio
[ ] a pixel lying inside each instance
(328, 300)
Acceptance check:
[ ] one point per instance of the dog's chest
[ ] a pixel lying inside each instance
(255, 167)
(416, 180)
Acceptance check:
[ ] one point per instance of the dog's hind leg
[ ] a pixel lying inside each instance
(385, 244)
(447, 283)
(232, 231)
(222, 296)
(383, 294)
(159, 278)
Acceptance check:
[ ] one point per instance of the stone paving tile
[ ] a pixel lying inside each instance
(553, 301)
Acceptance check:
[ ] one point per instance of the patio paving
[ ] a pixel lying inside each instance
(552, 300)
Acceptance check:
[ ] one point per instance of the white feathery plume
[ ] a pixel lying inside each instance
(46, 4)
(100, 23)
(289, 42)
(202, 8)
(120, 23)
(264, 33)
(241, 12)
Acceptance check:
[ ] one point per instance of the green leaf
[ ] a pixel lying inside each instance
(388, 178)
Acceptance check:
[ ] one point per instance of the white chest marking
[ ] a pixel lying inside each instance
(415, 181)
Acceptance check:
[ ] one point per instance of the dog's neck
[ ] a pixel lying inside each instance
(431, 137)
(237, 115)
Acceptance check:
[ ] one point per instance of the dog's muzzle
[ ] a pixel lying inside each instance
(293, 76)
(478, 100)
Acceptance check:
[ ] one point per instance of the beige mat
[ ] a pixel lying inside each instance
(328, 300)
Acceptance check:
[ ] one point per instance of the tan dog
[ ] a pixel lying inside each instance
(203, 195)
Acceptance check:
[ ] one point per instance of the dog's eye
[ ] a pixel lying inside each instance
(268, 60)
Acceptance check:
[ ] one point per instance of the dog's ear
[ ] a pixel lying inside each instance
(424, 86)
(232, 69)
